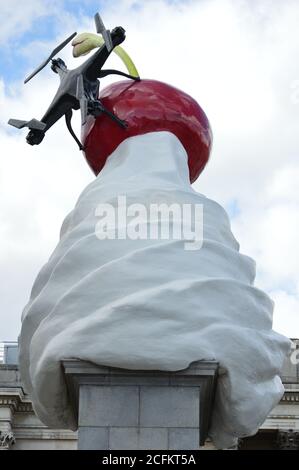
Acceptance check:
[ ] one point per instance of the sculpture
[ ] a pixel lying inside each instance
(148, 303)
(78, 88)
(7, 440)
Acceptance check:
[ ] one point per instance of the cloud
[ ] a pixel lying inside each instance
(286, 316)
(17, 19)
(238, 59)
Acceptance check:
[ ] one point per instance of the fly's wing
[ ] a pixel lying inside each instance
(33, 124)
(53, 53)
(80, 94)
(100, 27)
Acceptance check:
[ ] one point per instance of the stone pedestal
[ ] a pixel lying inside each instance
(135, 409)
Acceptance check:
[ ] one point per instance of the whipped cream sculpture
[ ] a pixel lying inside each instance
(151, 303)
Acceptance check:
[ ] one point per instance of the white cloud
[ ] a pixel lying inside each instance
(239, 60)
(286, 317)
(17, 18)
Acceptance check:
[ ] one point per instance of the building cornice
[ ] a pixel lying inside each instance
(12, 397)
(290, 396)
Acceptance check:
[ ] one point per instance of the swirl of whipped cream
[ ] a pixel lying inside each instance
(151, 304)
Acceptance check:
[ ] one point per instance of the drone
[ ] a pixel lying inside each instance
(78, 89)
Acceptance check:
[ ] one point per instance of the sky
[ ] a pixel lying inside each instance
(237, 58)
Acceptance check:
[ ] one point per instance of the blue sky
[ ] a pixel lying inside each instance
(46, 27)
(42, 28)
(237, 58)
(14, 63)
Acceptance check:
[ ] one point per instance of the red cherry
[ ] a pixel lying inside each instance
(149, 106)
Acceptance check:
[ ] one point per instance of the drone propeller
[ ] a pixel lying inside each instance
(80, 94)
(103, 31)
(33, 124)
(53, 53)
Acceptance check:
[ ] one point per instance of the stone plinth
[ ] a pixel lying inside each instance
(136, 409)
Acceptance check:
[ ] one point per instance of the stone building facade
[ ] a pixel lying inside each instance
(21, 429)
